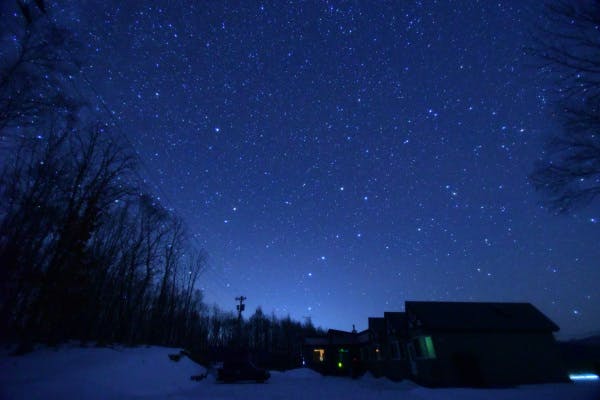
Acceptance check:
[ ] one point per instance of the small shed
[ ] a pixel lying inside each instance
(481, 344)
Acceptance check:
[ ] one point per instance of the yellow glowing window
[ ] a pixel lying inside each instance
(318, 355)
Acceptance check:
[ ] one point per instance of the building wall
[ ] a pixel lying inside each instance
(337, 359)
(379, 359)
(373, 359)
(397, 370)
(490, 359)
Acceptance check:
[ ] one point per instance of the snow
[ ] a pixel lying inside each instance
(96, 373)
(148, 373)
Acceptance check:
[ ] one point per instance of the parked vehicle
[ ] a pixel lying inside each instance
(241, 370)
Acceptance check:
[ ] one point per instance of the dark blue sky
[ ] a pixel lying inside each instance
(338, 158)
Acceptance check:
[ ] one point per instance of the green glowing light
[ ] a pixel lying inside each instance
(340, 365)
(429, 347)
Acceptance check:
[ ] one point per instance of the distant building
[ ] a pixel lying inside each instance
(337, 353)
(449, 344)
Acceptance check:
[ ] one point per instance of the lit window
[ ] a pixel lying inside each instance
(318, 355)
(424, 347)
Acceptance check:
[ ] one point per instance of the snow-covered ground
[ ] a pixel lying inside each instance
(148, 373)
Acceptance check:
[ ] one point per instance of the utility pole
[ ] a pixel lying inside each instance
(240, 307)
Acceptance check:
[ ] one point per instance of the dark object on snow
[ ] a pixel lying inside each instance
(177, 356)
(199, 377)
(241, 370)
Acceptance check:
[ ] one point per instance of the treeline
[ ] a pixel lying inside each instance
(270, 341)
(86, 252)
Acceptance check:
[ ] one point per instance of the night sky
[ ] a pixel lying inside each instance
(338, 158)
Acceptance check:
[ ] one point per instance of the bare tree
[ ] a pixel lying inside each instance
(84, 253)
(37, 71)
(56, 193)
(195, 265)
(569, 45)
(29, 209)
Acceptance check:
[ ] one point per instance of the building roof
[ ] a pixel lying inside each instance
(377, 324)
(339, 333)
(396, 322)
(336, 336)
(316, 341)
(363, 337)
(476, 316)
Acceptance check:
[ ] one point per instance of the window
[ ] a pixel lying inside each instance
(424, 347)
(318, 355)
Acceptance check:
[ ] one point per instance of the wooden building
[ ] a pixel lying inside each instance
(481, 344)
(447, 344)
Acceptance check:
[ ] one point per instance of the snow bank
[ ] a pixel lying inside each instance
(148, 373)
(300, 373)
(96, 373)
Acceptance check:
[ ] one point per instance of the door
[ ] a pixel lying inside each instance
(468, 370)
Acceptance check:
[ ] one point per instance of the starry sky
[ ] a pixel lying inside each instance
(338, 158)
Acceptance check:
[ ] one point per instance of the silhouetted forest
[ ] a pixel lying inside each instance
(86, 251)
(568, 170)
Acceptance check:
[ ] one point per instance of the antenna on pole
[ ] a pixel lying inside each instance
(240, 307)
